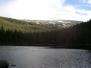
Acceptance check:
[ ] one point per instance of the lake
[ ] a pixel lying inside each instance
(40, 57)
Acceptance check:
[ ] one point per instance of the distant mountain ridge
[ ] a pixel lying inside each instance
(58, 23)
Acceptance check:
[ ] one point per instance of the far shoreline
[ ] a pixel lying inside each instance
(55, 46)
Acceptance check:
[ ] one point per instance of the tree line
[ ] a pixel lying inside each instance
(78, 36)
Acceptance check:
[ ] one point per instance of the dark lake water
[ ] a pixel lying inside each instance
(39, 57)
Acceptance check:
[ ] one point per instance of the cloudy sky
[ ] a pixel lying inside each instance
(46, 9)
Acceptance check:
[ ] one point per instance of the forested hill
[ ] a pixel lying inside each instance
(78, 36)
(22, 33)
(19, 25)
(34, 25)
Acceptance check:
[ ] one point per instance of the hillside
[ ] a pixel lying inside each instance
(18, 25)
(78, 36)
(34, 25)
(22, 33)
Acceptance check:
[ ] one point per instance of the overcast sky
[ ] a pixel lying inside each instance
(46, 9)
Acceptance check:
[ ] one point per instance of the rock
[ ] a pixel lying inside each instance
(4, 64)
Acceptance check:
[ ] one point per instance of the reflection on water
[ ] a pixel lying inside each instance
(38, 57)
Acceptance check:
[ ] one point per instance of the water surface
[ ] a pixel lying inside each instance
(39, 57)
